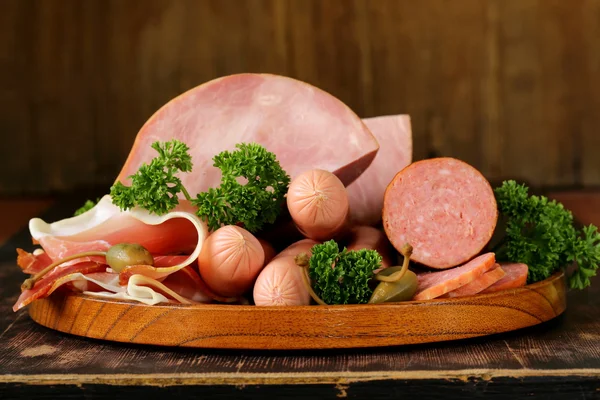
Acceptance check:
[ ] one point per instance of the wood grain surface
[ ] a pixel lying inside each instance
(306, 327)
(509, 86)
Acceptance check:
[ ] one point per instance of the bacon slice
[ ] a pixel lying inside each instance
(436, 284)
(31, 263)
(516, 276)
(479, 284)
(177, 232)
(54, 280)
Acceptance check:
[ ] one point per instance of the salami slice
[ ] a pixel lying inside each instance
(305, 127)
(444, 208)
(479, 284)
(516, 276)
(436, 284)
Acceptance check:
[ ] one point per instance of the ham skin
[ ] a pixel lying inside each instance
(479, 284)
(305, 127)
(516, 276)
(393, 132)
(435, 284)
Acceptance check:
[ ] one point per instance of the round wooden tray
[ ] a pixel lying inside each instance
(303, 327)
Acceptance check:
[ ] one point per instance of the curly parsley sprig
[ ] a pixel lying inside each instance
(252, 203)
(155, 186)
(342, 277)
(541, 234)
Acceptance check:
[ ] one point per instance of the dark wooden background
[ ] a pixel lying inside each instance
(511, 86)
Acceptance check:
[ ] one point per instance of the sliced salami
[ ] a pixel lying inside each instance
(444, 208)
(516, 276)
(483, 282)
(436, 284)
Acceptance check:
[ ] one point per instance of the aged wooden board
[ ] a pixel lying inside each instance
(306, 327)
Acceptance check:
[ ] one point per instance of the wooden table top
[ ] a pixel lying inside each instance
(559, 359)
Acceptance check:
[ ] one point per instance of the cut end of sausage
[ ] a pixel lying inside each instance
(444, 208)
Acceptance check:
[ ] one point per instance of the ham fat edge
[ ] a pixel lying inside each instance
(105, 225)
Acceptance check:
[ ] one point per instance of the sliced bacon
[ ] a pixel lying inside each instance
(163, 267)
(483, 282)
(54, 280)
(436, 284)
(31, 263)
(87, 285)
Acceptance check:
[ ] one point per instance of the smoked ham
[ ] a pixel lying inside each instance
(436, 284)
(484, 281)
(393, 132)
(302, 125)
(444, 208)
(516, 276)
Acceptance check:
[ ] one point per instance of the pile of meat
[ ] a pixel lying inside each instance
(353, 180)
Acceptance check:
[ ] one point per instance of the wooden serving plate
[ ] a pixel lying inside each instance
(303, 327)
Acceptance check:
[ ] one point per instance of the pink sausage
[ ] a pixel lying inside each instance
(318, 204)
(367, 237)
(230, 260)
(280, 282)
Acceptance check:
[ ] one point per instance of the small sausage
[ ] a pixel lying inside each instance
(268, 249)
(318, 204)
(436, 284)
(444, 208)
(280, 283)
(367, 237)
(230, 260)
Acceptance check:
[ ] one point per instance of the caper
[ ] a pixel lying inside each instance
(402, 290)
(122, 255)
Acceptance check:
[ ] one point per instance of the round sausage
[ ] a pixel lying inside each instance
(230, 260)
(367, 237)
(280, 282)
(444, 208)
(318, 204)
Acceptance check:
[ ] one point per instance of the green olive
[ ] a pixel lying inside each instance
(122, 255)
(402, 290)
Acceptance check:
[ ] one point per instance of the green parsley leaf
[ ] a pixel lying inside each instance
(541, 234)
(253, 187)
(88, 205)
(342, 277)
(154, 186)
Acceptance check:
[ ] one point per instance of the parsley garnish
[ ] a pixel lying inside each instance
(541, 234)
(155, 187)
(88, 205)
(342, 277)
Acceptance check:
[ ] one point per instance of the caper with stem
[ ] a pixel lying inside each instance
(118, 257)
(396, 283)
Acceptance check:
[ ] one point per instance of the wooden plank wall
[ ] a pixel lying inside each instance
(511, 86)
